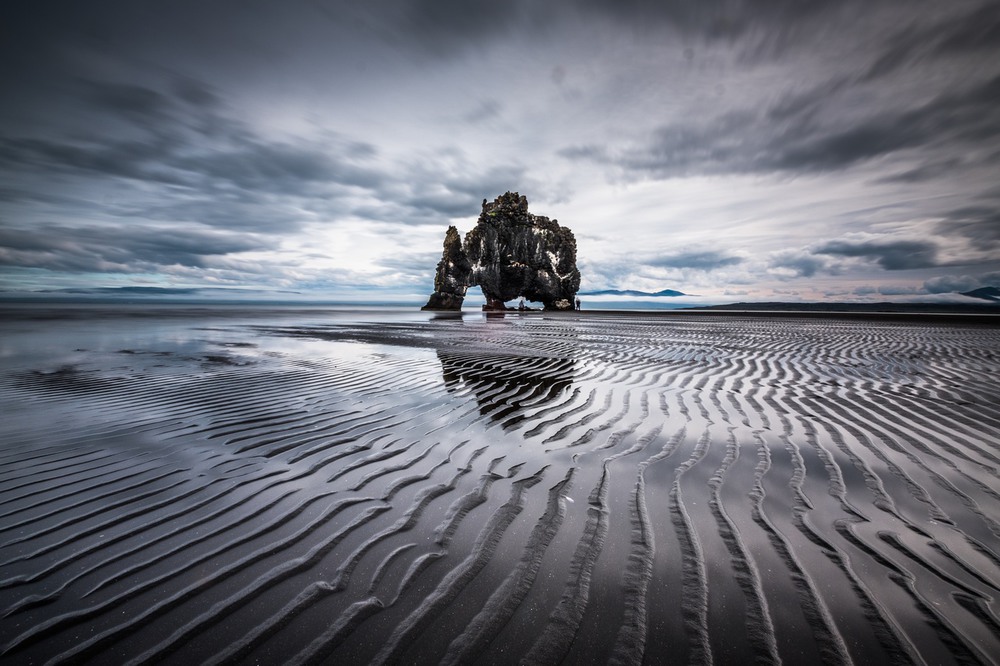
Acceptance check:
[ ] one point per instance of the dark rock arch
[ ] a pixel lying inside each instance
(510, 253)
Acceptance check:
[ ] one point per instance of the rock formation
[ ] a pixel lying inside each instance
(510, 253)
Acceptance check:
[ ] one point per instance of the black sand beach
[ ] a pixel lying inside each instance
(187, 485)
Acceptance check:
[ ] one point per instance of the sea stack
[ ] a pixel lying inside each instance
(510, 254)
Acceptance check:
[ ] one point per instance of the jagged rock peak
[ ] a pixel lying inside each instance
(510, 204)
(510, 253)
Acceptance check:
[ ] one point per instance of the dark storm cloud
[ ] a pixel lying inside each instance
(885, 290)
(139, 160)
(786, 137)
(137, 102)
(242, 211)
(699, 260)
(121, 249)
(946, 284)
(980, 224)
(184, 109)
(441, 24)
(474, 182)
(35, 196)
(771, 28)
(839, 121)
(200, 163)
(892, 255)
(206, 150)
(713, 19)
(747, 141)
(449, 185)
(794, 263)
(196, 93)
(213, 169)
(432, 191)
(281, 167)
(977, 30)
(240, 187)
(443, 203)
(444, 28)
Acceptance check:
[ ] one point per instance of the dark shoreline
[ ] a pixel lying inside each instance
(980, 318)
(986, 315)
(882, 307)
(947, 313)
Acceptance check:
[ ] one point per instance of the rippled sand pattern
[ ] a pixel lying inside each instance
(548, 490)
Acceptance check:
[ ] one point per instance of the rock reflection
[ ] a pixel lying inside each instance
(509, 389)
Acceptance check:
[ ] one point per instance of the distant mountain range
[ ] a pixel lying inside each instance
(632, 292)
(985, 293)
(130, 291)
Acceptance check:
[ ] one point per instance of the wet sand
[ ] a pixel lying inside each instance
(194, 485)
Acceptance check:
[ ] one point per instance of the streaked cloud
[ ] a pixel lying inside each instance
(890, 254)
(784, 149)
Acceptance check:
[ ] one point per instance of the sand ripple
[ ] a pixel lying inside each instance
(626, 489)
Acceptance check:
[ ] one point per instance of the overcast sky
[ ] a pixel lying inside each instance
(779, 149)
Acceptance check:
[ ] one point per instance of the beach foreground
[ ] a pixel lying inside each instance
(194, 485)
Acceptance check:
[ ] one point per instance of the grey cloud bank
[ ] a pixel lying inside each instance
(794, 150)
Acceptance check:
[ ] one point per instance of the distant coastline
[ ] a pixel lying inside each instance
(880, 308)
(986, 311)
